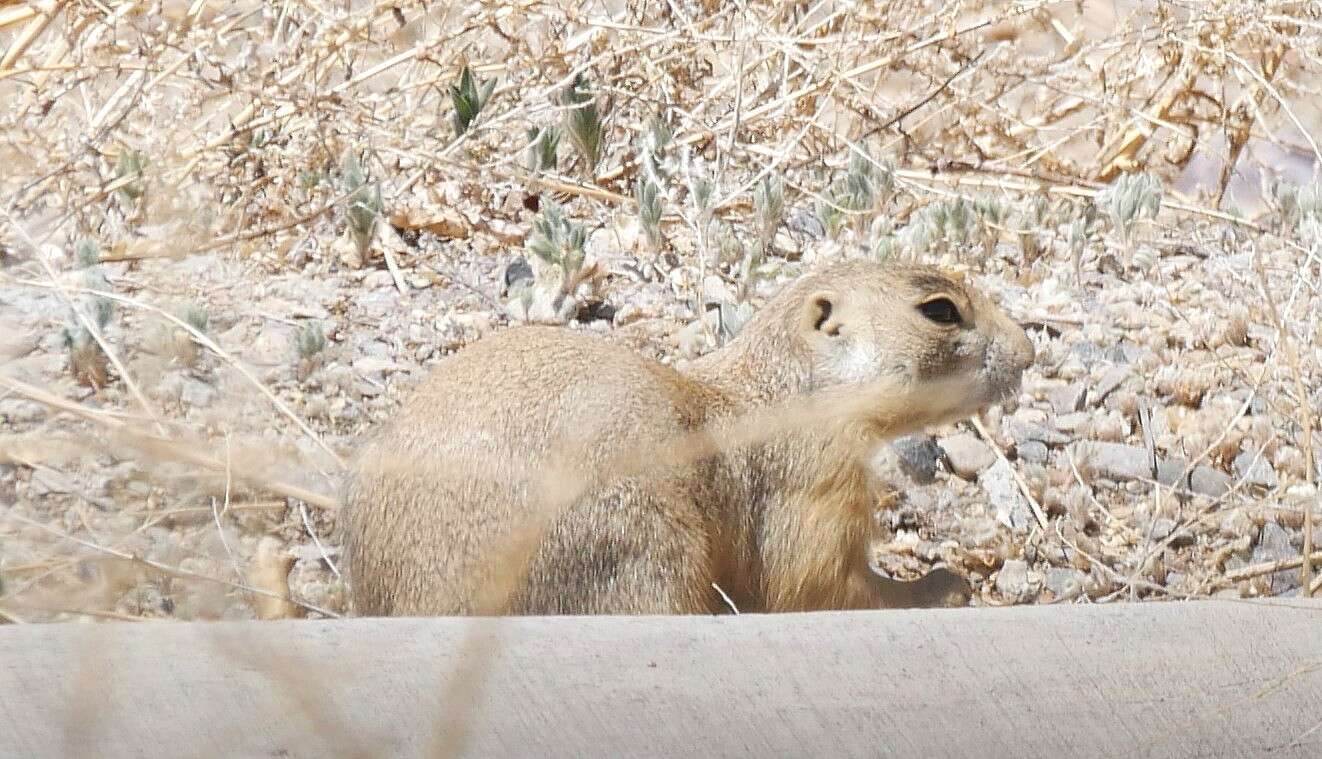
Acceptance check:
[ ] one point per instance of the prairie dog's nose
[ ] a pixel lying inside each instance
(1022, 348)
(1009, 354)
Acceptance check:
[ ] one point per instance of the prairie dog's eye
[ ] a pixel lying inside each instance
(941, 310)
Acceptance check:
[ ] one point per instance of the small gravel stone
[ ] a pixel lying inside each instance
(806, 223)
(967, 455)
(1068, 399)
(1123, 352)
(273, 346)
(19, 411)
(1073, 422)
(1109, 382)
(1118, 461)
(45, 482)
(1021, 431)
(1012, 509)
(1254, 469)
(1163, 528)
(1012, 580)
(194, 393)
(1065, 584)
(518, 271)
(918, 456)
(1236, 524)
(378, 279)
(16, 344)
(1033, 451)
(1275, 544)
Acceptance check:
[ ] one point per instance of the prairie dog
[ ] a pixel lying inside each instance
(779, 522)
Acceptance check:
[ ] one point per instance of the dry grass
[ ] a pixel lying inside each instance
(168, 131)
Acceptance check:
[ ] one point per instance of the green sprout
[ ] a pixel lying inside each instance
(310, 341)
(195, 316)
(655, 156)
(468, 98)
(308, 179)
(855, 198)
(1033, 219)
(991, 215)
(722, 237)
(1129, 198)
(650, 209)
(887, 243)
(86, 253)
(130, 166)
(102, 309)
(1293, 204)
(701, 192)
(583, 122)
(943, 226)
(364, 201)
(87, 360)
(1078, 233)
(769, 207)
(543, 145)
(557, 240)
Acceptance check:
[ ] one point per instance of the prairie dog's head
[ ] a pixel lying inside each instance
(862, 321)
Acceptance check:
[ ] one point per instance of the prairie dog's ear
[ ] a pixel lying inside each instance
(821, 313)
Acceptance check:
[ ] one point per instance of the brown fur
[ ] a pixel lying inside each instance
(664, 483)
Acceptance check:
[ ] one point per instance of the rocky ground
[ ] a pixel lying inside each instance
(1164, 369)
(288, 226)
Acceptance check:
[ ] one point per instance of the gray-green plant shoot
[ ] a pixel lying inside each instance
(364, 201)
(310, 341)
(583, 122)
(543, 149)
(130, 167)
(650, 209)
(1129, 198)
(468, 98)
(557, 240)
(86, 254)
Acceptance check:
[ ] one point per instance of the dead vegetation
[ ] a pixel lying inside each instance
(231, 234)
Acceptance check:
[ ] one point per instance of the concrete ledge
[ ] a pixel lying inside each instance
(1205, 679)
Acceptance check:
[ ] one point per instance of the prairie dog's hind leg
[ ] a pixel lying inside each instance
(630, 550)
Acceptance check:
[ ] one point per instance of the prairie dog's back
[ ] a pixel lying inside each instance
(452, 471)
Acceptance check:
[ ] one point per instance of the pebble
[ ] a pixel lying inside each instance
(15, 344)
(806, 223)
(1164, 527)
(1118, 461)
(1073, 422)
(1123, 352)
(1254, 469)
(1012, 580)
(374, 367)
(1065, 584)
(274, 345)
(967, 454)
(379, 278)
(1012, 509)
(1109, 382)
(46, 482)
(918, 456)
(1033, 451)
(195, 393)
(1022, 431)
(1236, 524)
(1069, 398)
(1274, 544)
(19, 411)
